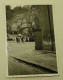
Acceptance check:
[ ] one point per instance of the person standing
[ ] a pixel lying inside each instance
(22, 39)
(28, 38)
(17, 39)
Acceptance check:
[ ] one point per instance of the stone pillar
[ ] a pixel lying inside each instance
(38, 40)
(46, 24)
(50, 14)
(42, 13)
(37, 30)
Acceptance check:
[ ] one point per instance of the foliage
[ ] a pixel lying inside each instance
(9, 12)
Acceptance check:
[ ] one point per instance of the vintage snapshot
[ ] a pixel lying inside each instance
(30, 40)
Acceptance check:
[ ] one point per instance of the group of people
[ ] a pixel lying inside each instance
(22, 39)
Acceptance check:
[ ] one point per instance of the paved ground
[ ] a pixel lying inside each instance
(26, 52)
(20, 68)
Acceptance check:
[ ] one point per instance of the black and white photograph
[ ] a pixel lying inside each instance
(31, 47)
